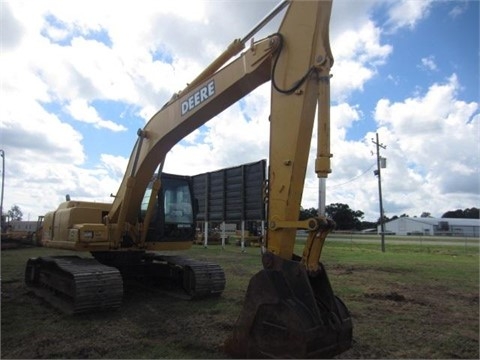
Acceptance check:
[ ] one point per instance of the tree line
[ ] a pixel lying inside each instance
(349, 219)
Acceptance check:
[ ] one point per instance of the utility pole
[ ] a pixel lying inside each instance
(379, 175)
(2, 154)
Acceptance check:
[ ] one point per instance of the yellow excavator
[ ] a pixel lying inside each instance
(290, 309)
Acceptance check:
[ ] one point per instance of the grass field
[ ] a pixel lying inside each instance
(413, 301)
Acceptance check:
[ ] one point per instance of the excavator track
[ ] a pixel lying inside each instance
(199, 279)
(174, 275)
(178, 276)
(73, 284)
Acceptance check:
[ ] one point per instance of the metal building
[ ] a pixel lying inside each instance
(433, 226)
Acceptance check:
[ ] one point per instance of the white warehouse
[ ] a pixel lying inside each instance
(433, 226)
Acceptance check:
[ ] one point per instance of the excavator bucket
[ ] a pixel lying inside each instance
(290, 314)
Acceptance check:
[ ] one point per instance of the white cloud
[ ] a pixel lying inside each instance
(53, 61)
(115, 165)
(407, 13)
(81, 111)
(12, 30)
(459, 9)
(29, 133)
(428, 63)
(358, 52)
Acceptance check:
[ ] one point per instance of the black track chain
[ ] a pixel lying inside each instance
(73, 284)
(200, 278)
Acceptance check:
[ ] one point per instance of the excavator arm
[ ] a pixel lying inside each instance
(290, 309)
(300, 80)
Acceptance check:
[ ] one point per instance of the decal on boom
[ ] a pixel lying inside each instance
(198, 97)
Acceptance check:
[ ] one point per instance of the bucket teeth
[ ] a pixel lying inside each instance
(288, 314)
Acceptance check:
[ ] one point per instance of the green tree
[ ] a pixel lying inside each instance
(367, 225)
(385, 219)
(472, 213)
(15, 213)
(307, 213)
(344, 217)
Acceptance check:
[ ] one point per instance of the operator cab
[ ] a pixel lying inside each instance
(174, 214)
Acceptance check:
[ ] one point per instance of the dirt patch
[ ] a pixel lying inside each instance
(337, 269)
(392, 296)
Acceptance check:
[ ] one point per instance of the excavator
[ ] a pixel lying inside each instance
(290, 309)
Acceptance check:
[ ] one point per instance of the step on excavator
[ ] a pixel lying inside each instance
(290, 309)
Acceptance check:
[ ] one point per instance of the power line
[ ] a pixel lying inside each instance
(353, 179)
(348, 181)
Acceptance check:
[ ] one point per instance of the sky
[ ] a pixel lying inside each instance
(79, 78)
